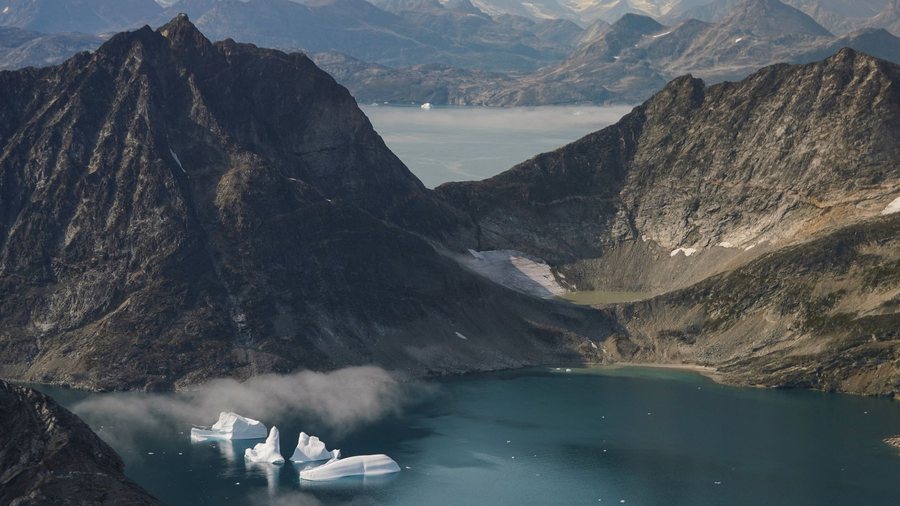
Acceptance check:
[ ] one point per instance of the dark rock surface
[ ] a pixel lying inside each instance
(173, 210)
(48, 456)
(719, 186)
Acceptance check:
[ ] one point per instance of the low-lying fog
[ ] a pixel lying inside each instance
(470, 143)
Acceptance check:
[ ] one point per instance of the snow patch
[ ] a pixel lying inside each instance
(5, 9)
(312, 449)
(231, 426)
(427, 106)
(661, 34)
(748, 248)
(177, 160)
(893, 207)
(687, 251)
(464, 338)
(269, 451)
(515, 270)
(738, 40)
(726, 244)
(360, 465)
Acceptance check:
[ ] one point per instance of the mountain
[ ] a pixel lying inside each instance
(838, 16)
(23, 48)
(49, 456)
(173, 210)
(625, 62)
(752, 210)
(585, 12)
(85, 16)
(889, 18)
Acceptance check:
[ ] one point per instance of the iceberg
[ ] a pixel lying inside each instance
(359, 465)
(270, 451)
(230, 426)
(312, 449)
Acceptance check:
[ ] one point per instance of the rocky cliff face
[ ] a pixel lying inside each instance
(705, 181)
(173, 209)
(49, 456)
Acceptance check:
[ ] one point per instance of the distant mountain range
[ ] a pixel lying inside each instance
(627, 61)
(414, 51)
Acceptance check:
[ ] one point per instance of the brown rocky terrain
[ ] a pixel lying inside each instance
(753, 210)
(48, 456)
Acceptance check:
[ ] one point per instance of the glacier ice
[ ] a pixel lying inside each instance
(231, 426)
(312, 449)
(269, 451)
(359, 465)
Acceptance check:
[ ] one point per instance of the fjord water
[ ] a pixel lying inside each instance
(545, 436)
(446, 144)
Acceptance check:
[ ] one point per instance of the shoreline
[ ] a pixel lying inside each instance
(707, 371)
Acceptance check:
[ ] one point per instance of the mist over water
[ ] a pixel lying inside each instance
(342, 400)
(470, 143)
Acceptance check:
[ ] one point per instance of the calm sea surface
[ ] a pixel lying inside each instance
(545, 436)
(467, 143)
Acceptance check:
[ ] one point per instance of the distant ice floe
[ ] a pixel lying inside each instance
(360, 465)
(687, 251)
(893, 207)
(269, 451)
(516, 270)
(312, 449)
(231, 426)
(426, 106)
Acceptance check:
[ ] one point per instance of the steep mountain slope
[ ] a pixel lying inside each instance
(172, 210)
(700, 181)
(23, 48)
(49, 456)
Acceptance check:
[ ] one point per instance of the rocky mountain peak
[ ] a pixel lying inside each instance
(771, 18)
(637, 23)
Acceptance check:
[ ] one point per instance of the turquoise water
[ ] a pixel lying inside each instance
(469, 143)
(541, 436)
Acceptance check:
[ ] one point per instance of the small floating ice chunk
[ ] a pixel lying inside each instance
(269, 451)
(687, 251)
(426, 106)
(893, 207)
(231, 426)
(359, 465)
(312, 449)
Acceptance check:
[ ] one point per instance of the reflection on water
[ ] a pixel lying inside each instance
(541, 436)
(470, 143)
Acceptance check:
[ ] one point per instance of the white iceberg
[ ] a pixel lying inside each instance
(359, 465)
(270, 451)
(231, 426)
(312, 449)
(426, 105)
